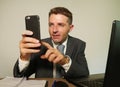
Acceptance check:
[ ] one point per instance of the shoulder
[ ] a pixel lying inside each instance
(76, 40)
(76, 44)
(46, 39)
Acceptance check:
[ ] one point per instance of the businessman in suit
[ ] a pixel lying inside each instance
(49, 61)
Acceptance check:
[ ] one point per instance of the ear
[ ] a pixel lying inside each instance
(71, 27)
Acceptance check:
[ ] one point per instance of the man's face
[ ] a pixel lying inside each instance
(59, 27)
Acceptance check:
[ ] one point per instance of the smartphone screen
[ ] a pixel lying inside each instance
(33, 24)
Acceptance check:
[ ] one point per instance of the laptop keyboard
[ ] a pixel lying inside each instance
(93, 83)
(95, 80)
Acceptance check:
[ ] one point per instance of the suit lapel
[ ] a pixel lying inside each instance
(70, 46)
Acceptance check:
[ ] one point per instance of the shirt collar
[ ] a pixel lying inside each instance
(64, 43)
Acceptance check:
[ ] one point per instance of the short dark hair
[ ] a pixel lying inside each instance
(64, 11)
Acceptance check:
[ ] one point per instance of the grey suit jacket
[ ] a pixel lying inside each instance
(44, 68)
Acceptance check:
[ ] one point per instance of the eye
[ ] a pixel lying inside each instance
(61, 24)
(50, 24)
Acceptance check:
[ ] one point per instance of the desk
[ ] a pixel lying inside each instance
(51, 80)
(94, 80)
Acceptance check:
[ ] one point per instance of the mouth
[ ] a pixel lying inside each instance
(56, 36)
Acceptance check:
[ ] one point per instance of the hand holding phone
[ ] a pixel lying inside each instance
(33, 24)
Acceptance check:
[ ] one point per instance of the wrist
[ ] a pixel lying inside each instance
(65, 60)
(24, 58)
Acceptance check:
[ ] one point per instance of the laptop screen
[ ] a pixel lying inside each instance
(112, 73)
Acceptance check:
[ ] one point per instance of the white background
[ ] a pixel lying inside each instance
(92, 21)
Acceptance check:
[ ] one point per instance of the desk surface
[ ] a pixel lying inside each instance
(73, 81)
(51, 81)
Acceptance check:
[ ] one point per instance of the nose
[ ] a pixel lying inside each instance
(55, 29)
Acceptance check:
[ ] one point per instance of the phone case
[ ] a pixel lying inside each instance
(33, 24)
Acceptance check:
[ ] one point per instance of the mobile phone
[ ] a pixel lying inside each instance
(33, 24)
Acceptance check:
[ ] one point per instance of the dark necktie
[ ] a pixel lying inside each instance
(58, 67)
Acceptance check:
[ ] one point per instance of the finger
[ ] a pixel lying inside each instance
(27, 51)
(52, 57)
(46, 45)
(29, 40)
(47, 54)
(31, 45)
(58, 59)
(28, 47)
(27, 33)
(42, 57)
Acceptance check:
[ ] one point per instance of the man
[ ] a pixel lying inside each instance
(53, 63)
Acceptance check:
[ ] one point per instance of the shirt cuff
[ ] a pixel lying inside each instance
(67, 66)
(22, 64)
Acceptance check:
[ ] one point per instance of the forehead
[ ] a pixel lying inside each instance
(58, 18)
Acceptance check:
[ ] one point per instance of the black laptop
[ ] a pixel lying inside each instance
(112, 74)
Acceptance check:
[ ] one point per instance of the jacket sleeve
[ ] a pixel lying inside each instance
(79, 67)
(25, 72)
(31, 67)
(16, 72)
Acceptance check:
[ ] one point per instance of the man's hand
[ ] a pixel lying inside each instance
(27, 44)
(53, 55)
